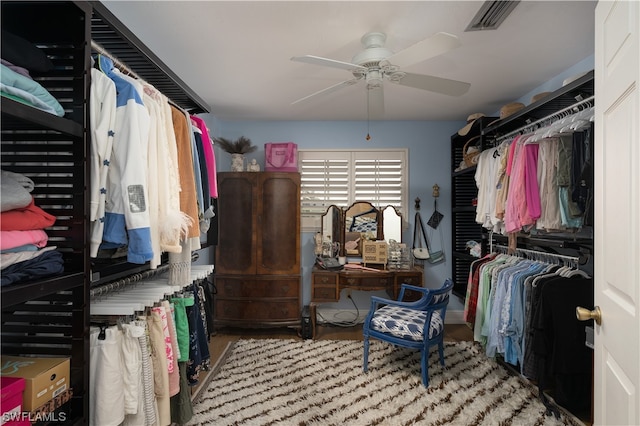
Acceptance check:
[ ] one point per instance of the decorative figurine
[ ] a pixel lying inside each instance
(253, 166)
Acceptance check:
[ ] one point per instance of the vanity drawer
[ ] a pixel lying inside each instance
(325, 278)
(410, 277)
(325, 293)
(413, 278)
(366, 282)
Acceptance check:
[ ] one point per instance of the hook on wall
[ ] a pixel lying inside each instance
(417, 206)
(436, 191)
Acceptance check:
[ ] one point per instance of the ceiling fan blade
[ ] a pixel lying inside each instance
(317, 60)
(421, 51)
(375, 99)
(434, 84)
(329, 89)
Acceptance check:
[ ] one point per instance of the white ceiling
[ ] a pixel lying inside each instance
(236, 54)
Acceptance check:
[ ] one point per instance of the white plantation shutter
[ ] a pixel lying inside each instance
(341, 177)
(379, 179)
(323, 182)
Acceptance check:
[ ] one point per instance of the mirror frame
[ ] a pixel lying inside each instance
(339, 230)
(368, 209)
(341, 215)
(383, 221)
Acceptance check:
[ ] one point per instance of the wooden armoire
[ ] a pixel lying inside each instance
(257, 268)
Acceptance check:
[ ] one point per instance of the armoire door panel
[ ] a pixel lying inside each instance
(237, 224)
(278, 250)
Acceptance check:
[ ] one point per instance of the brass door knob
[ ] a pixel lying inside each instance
(584, 314)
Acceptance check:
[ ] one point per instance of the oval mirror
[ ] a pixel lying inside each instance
(360, 222)
(391, 224)
(331, 226)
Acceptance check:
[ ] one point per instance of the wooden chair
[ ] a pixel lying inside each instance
(404, 323)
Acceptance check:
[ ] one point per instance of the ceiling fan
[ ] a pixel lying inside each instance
(376, 63)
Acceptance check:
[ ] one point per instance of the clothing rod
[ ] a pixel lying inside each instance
(548, 117)
(123, 282)
(198, 272)
(541, 253)
(118, 63)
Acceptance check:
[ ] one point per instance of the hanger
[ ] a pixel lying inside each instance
(138, 294)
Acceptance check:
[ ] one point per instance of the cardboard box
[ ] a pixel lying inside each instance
(45, 378)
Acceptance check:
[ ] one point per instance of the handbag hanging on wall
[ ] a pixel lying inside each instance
(436, 216)
(419, 252)
(437, 256)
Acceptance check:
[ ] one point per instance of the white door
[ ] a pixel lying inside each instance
(617, 213)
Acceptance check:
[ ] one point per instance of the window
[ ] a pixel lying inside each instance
(342, 177)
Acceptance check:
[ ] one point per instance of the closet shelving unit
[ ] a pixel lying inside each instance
(463, 191)
(561, 100)
(50, 317)
(578, 246)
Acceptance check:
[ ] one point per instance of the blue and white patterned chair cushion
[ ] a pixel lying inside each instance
(363, 224)
(405, 323)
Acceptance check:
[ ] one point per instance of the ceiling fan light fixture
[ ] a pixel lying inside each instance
(374, 78)
(491, 15)
(375, 63)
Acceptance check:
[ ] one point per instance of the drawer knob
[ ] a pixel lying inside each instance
(351, 281)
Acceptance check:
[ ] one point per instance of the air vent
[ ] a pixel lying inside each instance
(491, 15)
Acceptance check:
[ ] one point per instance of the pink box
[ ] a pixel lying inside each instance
(12, 388)
(280, 157)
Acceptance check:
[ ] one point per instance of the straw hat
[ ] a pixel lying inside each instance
(537, 97)
(510, 108)
(573, 78)
(507, 110)
(470, 122)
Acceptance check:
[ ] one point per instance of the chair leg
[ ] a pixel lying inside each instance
(424, 361)
(365, 362)
(441, 352)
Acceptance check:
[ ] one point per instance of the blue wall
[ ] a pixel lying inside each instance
(429, 162)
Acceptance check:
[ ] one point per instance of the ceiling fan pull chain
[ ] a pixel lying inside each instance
(368, 136)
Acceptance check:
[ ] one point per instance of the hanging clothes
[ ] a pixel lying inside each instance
(102, 119)
(528, 319)
(564, 361)
(209, 154)
(535, 185)
(127, 215)
(188, 196)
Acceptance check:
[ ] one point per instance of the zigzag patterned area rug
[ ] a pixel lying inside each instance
(321, 382)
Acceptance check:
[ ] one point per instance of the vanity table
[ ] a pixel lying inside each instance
(326, 285)
(361, 220)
